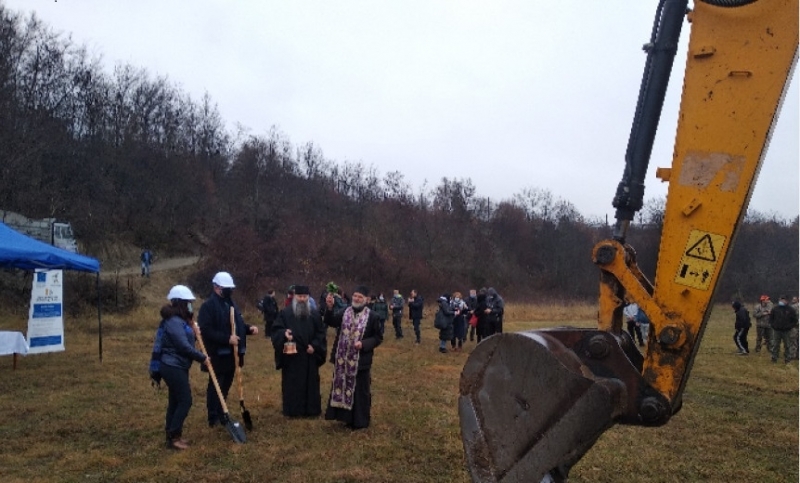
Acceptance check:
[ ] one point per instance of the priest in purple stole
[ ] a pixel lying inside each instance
(359, 334)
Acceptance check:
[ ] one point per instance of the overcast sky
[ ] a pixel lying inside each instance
(511, 94)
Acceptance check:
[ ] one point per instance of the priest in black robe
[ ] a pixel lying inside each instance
(298, 336)
(358, 334)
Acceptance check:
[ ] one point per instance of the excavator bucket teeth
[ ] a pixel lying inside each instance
(529, 408)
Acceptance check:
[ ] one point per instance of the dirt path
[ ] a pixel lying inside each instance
(156, 266)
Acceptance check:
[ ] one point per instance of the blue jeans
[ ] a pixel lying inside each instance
(645, 328)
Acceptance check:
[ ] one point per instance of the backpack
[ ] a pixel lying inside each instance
(155, 357)
(440, 322)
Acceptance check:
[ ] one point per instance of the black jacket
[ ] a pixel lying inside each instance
(446, 315)
(471, 302)
(742, 318)
(372, 335)
(305, 333)
(215, 326)
(415, 307)
(782, 317)
(269, 307)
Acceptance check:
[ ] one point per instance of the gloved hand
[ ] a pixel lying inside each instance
(155, 379)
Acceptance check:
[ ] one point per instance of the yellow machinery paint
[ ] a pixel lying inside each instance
(532, 403)
(737, 69)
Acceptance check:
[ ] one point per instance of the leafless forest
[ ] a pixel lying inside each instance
(130, 159)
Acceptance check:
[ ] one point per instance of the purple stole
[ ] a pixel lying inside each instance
(345, 364)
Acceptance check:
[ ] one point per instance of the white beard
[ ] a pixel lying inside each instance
(301, 309)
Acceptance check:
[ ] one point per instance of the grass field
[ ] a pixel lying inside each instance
(70, 418)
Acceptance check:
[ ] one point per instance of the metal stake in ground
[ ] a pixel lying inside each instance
(233, 427)
(248, 421)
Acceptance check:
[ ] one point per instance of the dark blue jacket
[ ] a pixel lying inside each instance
(415, 307)
(742, 317)
(177, 345)
(214, 320)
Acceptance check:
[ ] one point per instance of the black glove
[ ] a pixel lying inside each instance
(155, 379)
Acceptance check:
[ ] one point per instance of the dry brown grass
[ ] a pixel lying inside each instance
(69, 417)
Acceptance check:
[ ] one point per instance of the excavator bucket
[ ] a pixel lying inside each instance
(532, 403)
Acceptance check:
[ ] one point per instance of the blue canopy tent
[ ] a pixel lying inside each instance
(23, 252)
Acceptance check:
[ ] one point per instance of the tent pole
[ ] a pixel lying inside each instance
(99, 319)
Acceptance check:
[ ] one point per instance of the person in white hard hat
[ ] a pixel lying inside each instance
(177, 353)
(215, 325)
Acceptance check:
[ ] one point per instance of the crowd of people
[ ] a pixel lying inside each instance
(297, 330)
(298, 333)
(776, 326)
(478, 315)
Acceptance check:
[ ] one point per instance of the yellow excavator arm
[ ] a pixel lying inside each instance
(532, 403)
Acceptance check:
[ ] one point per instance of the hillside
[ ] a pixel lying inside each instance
(132, 161)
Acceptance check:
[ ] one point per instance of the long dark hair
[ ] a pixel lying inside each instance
(177, 307)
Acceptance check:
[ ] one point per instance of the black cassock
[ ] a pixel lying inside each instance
(359, 416)
(300, 372)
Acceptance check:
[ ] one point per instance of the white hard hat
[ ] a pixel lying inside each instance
(224, 280)
(181, 292)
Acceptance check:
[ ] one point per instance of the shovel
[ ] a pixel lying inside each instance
(248, 421)
(233, 427)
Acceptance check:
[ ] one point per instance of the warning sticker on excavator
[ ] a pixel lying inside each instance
(699, 261)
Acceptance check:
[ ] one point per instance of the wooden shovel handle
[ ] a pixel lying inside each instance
(236, 357)
(210, 368)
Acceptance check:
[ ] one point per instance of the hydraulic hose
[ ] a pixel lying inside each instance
(661, 50)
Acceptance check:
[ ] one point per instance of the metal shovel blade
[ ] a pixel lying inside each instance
(234, 429)
(529, 409)
(248, 421)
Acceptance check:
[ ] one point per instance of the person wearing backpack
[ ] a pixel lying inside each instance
(269, 307)
(742, 326)
(444, 322)
(177, 353)
(397, 314)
